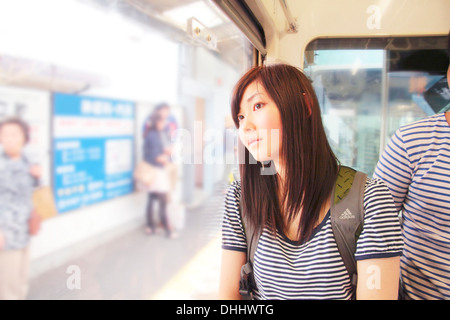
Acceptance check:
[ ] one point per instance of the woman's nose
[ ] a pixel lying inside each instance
(247, 124)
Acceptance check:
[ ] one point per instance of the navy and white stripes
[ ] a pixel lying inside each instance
(416, 167)
(286, 269)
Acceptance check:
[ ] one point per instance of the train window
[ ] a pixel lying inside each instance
(186, 53)
(86, 75)
(367, 88)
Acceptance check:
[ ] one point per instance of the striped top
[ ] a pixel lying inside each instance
(416, 167)
(286, 269)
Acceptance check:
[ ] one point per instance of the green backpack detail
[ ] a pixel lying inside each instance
(347, 219)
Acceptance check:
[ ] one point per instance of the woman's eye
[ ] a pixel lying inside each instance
(240, 117)
(257, 106)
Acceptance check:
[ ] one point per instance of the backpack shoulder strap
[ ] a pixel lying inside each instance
(252, 235)
(347, 215)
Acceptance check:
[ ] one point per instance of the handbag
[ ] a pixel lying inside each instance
(43, 208)
(144, 173)
(44, 202)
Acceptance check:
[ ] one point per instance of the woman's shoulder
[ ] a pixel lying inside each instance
(233, 234)
(235, 185)
(377, 196)
(375, 185)
(233, 193)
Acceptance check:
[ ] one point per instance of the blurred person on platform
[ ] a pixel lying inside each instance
(18, 177)
(157, 152)
(163, 110)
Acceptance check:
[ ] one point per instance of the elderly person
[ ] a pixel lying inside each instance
(17, 180)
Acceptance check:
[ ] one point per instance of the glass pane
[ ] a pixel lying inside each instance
(367, 88)
(417, 81)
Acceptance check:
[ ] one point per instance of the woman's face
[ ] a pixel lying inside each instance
(260, 128)
(12, 139)
(160, 124)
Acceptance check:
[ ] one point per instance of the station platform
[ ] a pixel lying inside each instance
(142, 267)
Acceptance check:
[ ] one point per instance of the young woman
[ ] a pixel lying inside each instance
(279, 121)
(157, 153)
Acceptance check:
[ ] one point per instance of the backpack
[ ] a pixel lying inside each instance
(347, 218)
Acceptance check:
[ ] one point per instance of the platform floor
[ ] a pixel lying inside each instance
(137, 266)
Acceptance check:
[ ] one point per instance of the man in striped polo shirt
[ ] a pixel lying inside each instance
(416, 167)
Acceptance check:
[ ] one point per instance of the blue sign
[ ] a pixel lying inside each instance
(92, 150)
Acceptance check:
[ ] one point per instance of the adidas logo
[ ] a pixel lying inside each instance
(347, 214)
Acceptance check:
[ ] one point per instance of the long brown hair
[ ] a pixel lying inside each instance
(310, 166)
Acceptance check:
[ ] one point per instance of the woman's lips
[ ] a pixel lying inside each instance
(252, 142)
